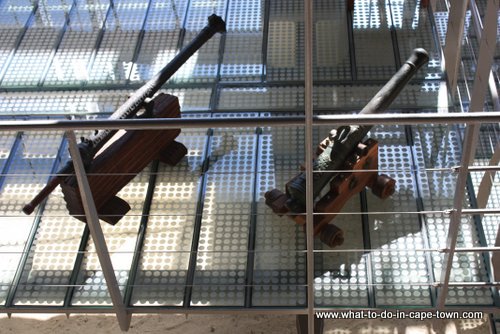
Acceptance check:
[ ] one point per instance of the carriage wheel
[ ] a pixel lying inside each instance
(384, 186)
(332, 236)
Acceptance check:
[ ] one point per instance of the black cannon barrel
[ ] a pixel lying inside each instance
(387, 94)
(135, 102)
(90, 146)
(346, 138)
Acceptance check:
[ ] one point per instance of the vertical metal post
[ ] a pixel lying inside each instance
(252, 229)
(365, 225)
(484, 80)
(453, 44)
(469, 148)
(484, 190)
(495, 259)
(97, 234)
(485, 59)
(350, 37)
(308, 98)
(265, 38)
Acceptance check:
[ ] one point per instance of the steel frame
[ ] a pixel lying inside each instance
(123, 311)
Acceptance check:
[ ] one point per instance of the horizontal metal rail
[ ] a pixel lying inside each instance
(175, 123)
(454, 169)
(292, 310)
(381, 285)
(464, 212)
(297, 251)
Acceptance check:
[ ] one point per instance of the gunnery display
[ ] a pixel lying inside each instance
(113, 158)
(345, 163)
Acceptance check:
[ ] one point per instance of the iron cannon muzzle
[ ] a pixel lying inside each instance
(418, 58)
(216, 23)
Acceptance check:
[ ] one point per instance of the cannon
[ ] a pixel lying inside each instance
(345, 163)
(113, 158)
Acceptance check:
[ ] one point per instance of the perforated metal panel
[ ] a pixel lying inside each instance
(428, 94)
(13, 18)
(413, 29)
(27, 67)
(341, 274)
(33, 160)
(219, 276)
(279, 275)
(91, 287)
(161, 38)
(285, 59)
(372, 39)
(284, 98)
(61, 103)
(162, 271)
(15, 13)
(405, 272)
(243, 45)
(76, 50)
(48, 269)
(331, 51)
(439, 148)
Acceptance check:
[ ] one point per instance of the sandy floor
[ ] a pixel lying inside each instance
(97, 324)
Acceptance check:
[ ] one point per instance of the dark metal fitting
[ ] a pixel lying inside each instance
(217, 23)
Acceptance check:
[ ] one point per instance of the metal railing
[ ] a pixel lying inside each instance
(124, 312)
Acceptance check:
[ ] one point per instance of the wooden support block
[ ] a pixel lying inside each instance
(114, 210)
(173, 153)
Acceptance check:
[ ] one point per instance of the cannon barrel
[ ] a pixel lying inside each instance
(90, 146)
(346, 138)
(135, 102)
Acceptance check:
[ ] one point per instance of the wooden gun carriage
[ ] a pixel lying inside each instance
(360, 172)
(345, 163)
